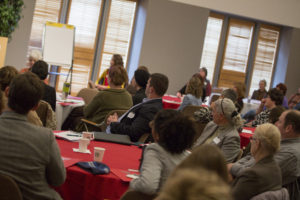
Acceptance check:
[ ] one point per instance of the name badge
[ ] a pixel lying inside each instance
(216, 140)
(131, 115)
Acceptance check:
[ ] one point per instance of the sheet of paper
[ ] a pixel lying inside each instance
(247, 131)
(68, 135)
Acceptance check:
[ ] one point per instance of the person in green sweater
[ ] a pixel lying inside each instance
(113, 98)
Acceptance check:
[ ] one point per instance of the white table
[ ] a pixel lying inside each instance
(64, 108)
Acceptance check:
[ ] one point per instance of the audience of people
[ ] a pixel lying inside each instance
(273, 99)
(7, 74)
(206, 85)
(135, 122)
(29, 154)
(288, 156)
(223, 130)
(265, 174)
(193, 93)
(113, 98)
(173, 134)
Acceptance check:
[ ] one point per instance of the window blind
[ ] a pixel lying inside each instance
(211, 44)
(118, 32)
(45, 10)
(84, 15)
(238, 45)
(265, 56)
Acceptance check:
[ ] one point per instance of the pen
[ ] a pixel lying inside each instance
(74, 135)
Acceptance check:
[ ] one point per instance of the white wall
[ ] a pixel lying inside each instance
(173, 40)
(18, 45)
(284, 12)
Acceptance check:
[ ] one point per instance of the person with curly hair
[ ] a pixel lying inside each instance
(173, 134)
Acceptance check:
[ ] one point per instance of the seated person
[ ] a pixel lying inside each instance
(135, 122)
(191, 184)
(29, 154)
(265, 174)
(173, 134)
(240, 89)
(208, 157)
(204, 115)
(139, 82)
(273, 99)
(193, 93)
(206, 84)
(261, 92)
(113, 98)
(34, 56)
(40, 68)
(222, 131)
(294, 99)
(288, 156)
(7, 74)
(282, 87)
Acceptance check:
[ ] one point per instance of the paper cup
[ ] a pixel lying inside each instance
(88, 135)
(98, 154)
(83, 143)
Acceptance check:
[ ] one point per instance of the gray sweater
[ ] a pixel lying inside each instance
(156, 167)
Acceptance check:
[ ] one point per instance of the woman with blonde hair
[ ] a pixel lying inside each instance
(191, 184)
(222, 131)
(193, 92)
(265, 175)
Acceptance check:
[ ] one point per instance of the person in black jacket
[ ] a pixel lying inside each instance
(40, 68)
(139, 82)
(135, 122)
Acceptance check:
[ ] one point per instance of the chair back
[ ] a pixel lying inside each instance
(46, 115)
(87, 94)
(9, 189)
(134, 195)
(190, 110)
(281, 194)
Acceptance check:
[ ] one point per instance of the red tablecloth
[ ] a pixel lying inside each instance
(171, 102)
(245, 137)
(82, 185)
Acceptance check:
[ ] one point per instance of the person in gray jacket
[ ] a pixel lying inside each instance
(174, 134)
(222, 131)
(29, 154)
(288, 156)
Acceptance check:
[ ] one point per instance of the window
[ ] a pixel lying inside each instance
(44, 11)
(211, 44)
(265, 56)
(84, 15)
(118, 32)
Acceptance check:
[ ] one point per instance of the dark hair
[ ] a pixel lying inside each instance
(141, 77)
(293, 118)
(209, 157)
(175, 131)
(118, 60)
(275, 114)
(25, 91)
(118, 75)
(194, 87)
(7, 73)
(40, 68)
(205, 70)
(142, 67)
(160, 83)
(276, 96)
(282, 87)
(240, 89)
